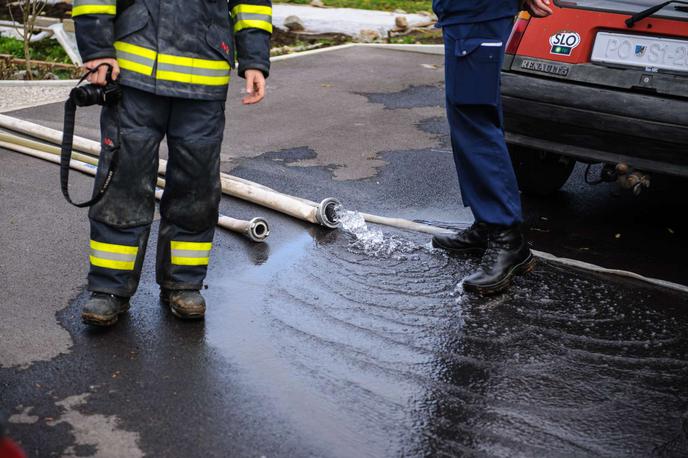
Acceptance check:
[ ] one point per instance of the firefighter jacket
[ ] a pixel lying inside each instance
(177, 48)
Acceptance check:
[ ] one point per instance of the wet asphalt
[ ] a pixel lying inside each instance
(320, 344)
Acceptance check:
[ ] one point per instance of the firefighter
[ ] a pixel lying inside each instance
(173, 60)
(475, 35)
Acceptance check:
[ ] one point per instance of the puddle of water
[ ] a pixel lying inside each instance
(368, 341)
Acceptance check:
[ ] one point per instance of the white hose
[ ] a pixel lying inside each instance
(257, 229)
(603, 270)
(243, 189)
(276, 198)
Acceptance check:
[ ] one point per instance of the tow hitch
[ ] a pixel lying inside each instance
(624, 175)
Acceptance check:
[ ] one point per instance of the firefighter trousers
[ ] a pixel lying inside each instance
(121, 220)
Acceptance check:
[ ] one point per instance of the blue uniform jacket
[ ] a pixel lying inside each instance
(467, 11)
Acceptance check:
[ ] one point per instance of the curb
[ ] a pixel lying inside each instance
(420, 49)
(37, 83)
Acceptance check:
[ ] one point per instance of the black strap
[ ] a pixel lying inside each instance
(66, 156)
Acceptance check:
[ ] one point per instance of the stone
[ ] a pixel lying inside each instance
(24, 75)
(399, 11)
(294, 24)
(50, 76)
(401, 22)
(369, 35)
(317, 4)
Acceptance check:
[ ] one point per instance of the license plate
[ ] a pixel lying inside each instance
(641, 51)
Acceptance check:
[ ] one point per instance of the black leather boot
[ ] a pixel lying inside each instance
(103, 309)
(469, 241)
(186, 304)
(507, 255)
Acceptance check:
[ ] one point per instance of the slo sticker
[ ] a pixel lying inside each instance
(563, 43)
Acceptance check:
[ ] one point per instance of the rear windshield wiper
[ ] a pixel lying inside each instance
(649, 12)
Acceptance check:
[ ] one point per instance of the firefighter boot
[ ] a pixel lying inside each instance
(187, 304)
(469, 241)
(103, 309)
(507, 255)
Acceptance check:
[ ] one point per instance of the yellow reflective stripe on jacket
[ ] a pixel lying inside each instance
(193, 62)
(189, 78)
(193, 70)
(190, 253)
(82, 7)
(180, 69)
(252, 24)
(136, 50)
(252, 17)
(112, 256)
(135, 58)
(252, 9)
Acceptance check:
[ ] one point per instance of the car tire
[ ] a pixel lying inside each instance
(538, 172)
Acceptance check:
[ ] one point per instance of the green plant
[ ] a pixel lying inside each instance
(11, 46)
(48, 50)
(30, 10)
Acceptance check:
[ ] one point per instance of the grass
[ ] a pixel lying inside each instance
(44, 50)
(420, 39)
(410, 6)
(48, 50)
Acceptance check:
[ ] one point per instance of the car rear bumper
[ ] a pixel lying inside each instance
(596, 124)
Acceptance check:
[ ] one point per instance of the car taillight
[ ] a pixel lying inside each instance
(517, 32)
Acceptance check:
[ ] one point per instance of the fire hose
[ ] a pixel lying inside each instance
(324, 213)
(257, 229)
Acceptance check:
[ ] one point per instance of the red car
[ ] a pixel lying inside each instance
(598, 81)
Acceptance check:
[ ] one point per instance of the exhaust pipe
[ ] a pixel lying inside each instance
(629, 178)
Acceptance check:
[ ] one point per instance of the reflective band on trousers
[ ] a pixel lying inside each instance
(252, 17)
(82, 7)
(192, 70)
(190, 253)
(135, 58)
(111, 256)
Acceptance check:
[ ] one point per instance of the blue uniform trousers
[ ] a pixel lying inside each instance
(473, 58)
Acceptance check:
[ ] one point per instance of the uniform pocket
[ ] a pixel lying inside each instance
(131, 20)
(473, 71)
(222, 42)
(130, 199)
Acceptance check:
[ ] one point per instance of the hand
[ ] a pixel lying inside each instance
(255, 87)
(538, 8)
(98, 77)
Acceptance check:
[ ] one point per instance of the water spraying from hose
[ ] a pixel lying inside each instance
(372, 241)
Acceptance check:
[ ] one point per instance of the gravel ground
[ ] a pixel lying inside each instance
(15, 97)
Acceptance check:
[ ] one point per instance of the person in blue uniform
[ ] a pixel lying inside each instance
(475, 35)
